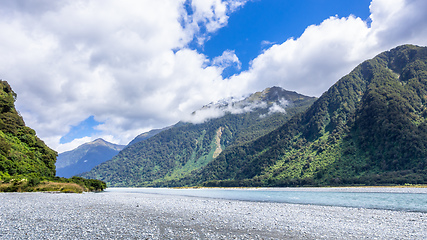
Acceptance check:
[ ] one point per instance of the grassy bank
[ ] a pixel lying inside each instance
(56, 184)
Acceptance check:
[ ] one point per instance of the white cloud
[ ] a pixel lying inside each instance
(127, 64)
(235, 106)
(74, 144)
(278, 108)
(227, 59)
(230, 105)
(210, 15)
(324, 53)
(124, 62)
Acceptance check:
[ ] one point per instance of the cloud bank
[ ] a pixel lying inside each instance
(324, 53)
(128, 64)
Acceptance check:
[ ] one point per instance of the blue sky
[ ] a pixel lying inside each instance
(83, 129)
(259, 24)
(114, 69)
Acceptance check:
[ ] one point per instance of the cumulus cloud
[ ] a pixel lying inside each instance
(124, 62)
(127, 63)
(324, 53)
(207, 16)
(227, 59)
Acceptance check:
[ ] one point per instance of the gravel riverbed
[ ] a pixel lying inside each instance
(115, 215)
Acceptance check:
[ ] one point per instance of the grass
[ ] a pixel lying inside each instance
(59, 187)
(35, 185)
(45, 186)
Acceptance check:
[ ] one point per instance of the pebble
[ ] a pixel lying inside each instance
(115, 215)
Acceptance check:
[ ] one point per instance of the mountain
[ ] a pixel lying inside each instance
(368, 128)
(171, 155)
(26, 163)
(85, 157)
(21, 151)
(146, 135)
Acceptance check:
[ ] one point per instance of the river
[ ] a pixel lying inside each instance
(387, 198)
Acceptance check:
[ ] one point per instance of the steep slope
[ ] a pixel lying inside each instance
(368, 128)
(146, 135)
(85, 157)
(169, 156)
(21, 151)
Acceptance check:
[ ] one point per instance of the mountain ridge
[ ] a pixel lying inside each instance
(171, 154)
(85, 157)
(340, 139)
(369, 128)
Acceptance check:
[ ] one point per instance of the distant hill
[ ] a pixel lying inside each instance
(171, 155)
(85, 157)
(21, 151)
(369, 128)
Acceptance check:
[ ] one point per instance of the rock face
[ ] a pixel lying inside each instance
(85, 157)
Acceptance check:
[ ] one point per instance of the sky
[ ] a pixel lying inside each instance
(85, 69)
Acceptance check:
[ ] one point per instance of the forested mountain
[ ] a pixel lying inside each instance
(21, 151)
(368, 128)
(26, 163)
(171, 155)
(146, 135)
(85, 157)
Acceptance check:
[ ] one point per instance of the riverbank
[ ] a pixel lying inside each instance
(114, 215)
(50, 184)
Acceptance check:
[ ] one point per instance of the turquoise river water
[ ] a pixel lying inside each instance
(400, 199)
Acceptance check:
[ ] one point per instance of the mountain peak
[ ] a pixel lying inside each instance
(102, 142)
(270, 100)
(85, 157)
(369, 128)
(166, 158)
(99, 141)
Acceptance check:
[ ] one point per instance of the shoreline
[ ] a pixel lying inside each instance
(392, 189)
(113, 215)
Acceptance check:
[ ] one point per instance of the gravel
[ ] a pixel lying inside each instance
(115, 215)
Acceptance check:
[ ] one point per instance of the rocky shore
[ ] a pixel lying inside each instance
(114, 215)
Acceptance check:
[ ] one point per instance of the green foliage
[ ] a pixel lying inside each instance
(20, 183)
(170, 157)
(90, 184)
(21, 151)
(369, 128)
(26, 163)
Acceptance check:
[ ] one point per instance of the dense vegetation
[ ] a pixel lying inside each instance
(146, 135)
(52, 184)
(171, 155)
(25, 161)
(368, 128)
(21, 151)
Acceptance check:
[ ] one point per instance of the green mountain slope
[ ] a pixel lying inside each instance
(171, 155)
(26, 163)
(146, 135)
(85, 157)
(21, 151)
(368, 128)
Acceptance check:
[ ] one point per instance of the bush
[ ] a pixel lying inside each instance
(33, 181)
